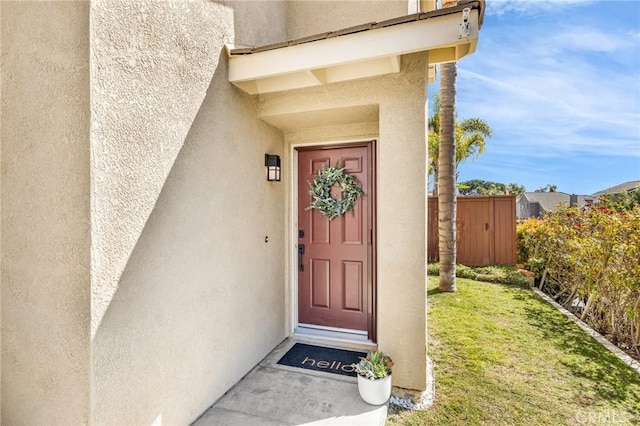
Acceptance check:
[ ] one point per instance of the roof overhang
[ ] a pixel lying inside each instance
(365, 51)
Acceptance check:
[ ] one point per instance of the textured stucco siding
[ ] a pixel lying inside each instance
(309, 17)
(144, 255)
(187, 295)
(151, 65)
(401, 197)
(45, 213)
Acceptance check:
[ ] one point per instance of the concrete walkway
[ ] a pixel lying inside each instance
(273, 394)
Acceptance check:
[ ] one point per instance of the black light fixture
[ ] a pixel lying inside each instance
(272, 163)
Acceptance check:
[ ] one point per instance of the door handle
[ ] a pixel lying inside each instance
(300, 253)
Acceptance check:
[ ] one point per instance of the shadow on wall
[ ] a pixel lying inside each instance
(201, 299)
(152, 64)
(158, 70)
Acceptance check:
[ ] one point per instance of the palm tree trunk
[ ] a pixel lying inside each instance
(447, 178)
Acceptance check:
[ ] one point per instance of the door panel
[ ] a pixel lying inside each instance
(504, 219)
(319, 285)
(334, 278)
(486, 227)
(352, 286)
(474, 232)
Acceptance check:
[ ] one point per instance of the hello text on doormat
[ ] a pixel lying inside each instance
(318, 358)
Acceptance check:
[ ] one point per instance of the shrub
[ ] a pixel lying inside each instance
(526, 232)
(498, 274)
(589, 260)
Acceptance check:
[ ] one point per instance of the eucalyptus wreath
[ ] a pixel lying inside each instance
(320, 190)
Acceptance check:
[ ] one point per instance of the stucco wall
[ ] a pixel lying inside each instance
(133, 248)
(45, 213)
(308, 17)
(401, 197)
(187, 296)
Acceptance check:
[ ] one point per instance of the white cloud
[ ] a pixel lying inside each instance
(592, 39)
(560, 87)
(551, 93)
(529, 7)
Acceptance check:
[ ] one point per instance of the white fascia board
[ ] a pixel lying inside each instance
(392, 41)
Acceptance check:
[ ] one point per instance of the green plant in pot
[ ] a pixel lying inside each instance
(374, 378)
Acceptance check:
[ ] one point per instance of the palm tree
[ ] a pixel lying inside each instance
(446, 172)
(449, 144)
(456, 142)
(470, 137)
(547, 188)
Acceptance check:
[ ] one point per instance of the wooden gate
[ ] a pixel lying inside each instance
(486, 230)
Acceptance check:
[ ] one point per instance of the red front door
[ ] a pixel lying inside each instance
(334, 272)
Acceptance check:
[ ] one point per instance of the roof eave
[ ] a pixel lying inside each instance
(364, 51)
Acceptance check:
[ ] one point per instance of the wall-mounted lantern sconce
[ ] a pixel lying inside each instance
(272, 163)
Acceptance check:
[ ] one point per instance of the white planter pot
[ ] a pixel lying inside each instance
(374, 392)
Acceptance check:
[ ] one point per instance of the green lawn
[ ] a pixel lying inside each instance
(503, 356)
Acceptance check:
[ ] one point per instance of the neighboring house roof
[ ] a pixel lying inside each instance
(366, 50)
(623, 187)
(549, 200)
(585, 199)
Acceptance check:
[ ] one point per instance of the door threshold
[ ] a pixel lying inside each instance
(341, 339)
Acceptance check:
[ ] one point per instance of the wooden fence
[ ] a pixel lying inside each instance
(486, 230)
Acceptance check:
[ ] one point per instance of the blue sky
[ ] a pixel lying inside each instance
(559, 83)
